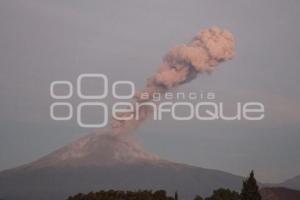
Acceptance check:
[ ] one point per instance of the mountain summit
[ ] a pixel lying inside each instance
(96, 149)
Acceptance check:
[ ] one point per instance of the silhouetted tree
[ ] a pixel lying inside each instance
(198, 197)
(250, 190)
(224, 194)
(123, 195)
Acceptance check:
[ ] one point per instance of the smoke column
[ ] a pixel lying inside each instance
(181, 65)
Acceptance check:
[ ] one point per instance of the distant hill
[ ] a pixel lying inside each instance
(279, 193)
(105, 161)
(293, 183)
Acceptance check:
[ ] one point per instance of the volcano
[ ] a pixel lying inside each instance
(102, 161)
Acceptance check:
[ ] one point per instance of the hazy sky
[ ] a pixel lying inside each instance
(43, 41)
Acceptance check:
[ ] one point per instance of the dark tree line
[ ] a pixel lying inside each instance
(123, 195)
(250, 191)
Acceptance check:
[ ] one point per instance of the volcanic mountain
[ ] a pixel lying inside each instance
(101, 161)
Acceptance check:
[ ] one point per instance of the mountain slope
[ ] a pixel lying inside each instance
(104, 161)
(96, 149)
(279, 193)
(293, 183)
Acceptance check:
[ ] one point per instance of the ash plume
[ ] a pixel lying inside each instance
(180, 65)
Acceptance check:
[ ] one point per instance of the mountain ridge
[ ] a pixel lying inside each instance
(279, 193)
(293, 183)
